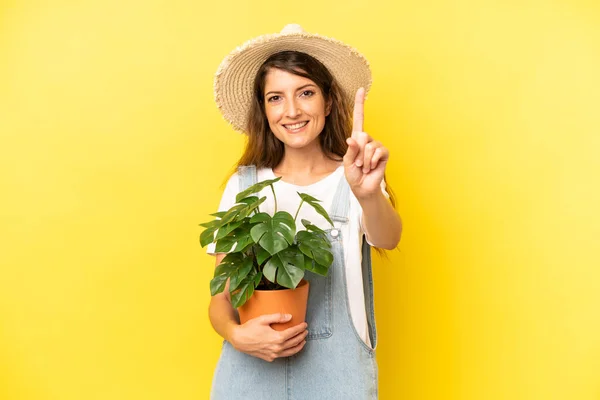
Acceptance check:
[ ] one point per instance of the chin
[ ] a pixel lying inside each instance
(301, 143)
(297, 142)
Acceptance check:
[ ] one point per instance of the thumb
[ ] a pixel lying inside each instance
(351, 153)
(275, 318)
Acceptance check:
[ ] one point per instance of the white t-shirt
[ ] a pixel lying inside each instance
(352, 233)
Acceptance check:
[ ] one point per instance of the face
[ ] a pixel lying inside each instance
(295, 108)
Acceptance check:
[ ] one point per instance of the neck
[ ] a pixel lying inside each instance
(306, 159)
(305, 166)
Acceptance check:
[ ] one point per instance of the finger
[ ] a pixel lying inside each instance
(351, 153)
(295, 341)
(359, 111)
(278, 318)
(362, 139)
(381, 154)
(293, 350)
(368, 155)
(293, 331)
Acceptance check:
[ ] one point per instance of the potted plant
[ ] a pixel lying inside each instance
(266, 258)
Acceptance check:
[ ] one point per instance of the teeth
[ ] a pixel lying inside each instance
(296, 126)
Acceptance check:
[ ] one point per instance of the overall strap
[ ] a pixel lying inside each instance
(341, 203)
(339, 215)
(247, 176)
(367, 275)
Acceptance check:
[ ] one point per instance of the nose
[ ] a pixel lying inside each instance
(292, 110)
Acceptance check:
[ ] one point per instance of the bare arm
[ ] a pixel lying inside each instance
(381, 222)
(364, 165)
(220, 310)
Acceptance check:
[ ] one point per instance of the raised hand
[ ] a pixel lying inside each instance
(365, 160)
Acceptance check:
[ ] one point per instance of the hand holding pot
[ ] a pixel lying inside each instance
(258, 339)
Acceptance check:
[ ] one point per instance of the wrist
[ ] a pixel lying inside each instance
(231, 333)
(370, 198)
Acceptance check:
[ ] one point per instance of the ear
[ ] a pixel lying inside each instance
(328, 107)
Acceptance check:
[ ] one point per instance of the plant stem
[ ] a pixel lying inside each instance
(297, 211)
(274, 197)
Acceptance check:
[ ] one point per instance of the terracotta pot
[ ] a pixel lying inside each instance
(286, 301)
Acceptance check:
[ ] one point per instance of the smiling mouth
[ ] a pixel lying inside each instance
(295, 127)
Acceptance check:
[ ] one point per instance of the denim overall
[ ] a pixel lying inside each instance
(335, 363)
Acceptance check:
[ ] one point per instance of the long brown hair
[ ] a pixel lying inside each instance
(263, 149)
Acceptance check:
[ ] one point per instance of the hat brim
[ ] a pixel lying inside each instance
(234, 80)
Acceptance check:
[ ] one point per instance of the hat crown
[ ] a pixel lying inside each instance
(292, 28)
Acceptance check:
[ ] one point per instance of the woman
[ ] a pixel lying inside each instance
(290, 94)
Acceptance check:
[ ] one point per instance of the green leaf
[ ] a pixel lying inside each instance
(223, 271)
(313, 228)
(311, 265)
(289, 276)
(255, 188)
(273, 233)
(210, 224)
(241, 243)
(219, 214)
(246, 249)
(252, 203)
(292, 256)
(308, 198)
(287, 266)
(303, 236)
(321, 256)
(217, 284)
(261, 255)
(226, 266)
(226, 229)
(315, 204)
(316, 247)
(240, 273)
(245, 291)
(249, 200)
(208, 236)
(257, 278)
(228, 263)
(225, 245)
(270, 269)
(313, 239)
(235, 267)
(232, 213)
(239, 237)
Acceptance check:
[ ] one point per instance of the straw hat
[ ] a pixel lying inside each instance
(234, 79)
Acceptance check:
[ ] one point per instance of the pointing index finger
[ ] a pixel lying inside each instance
(359, 111)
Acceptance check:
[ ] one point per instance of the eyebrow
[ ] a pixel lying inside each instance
(297, 90)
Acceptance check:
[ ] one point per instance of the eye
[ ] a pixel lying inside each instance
(273, 98)
(308, 93)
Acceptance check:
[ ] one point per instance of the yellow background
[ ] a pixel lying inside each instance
(112, 151)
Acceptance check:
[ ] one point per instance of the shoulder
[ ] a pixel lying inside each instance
(243, 172)
(249, 169)
(233, 182)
